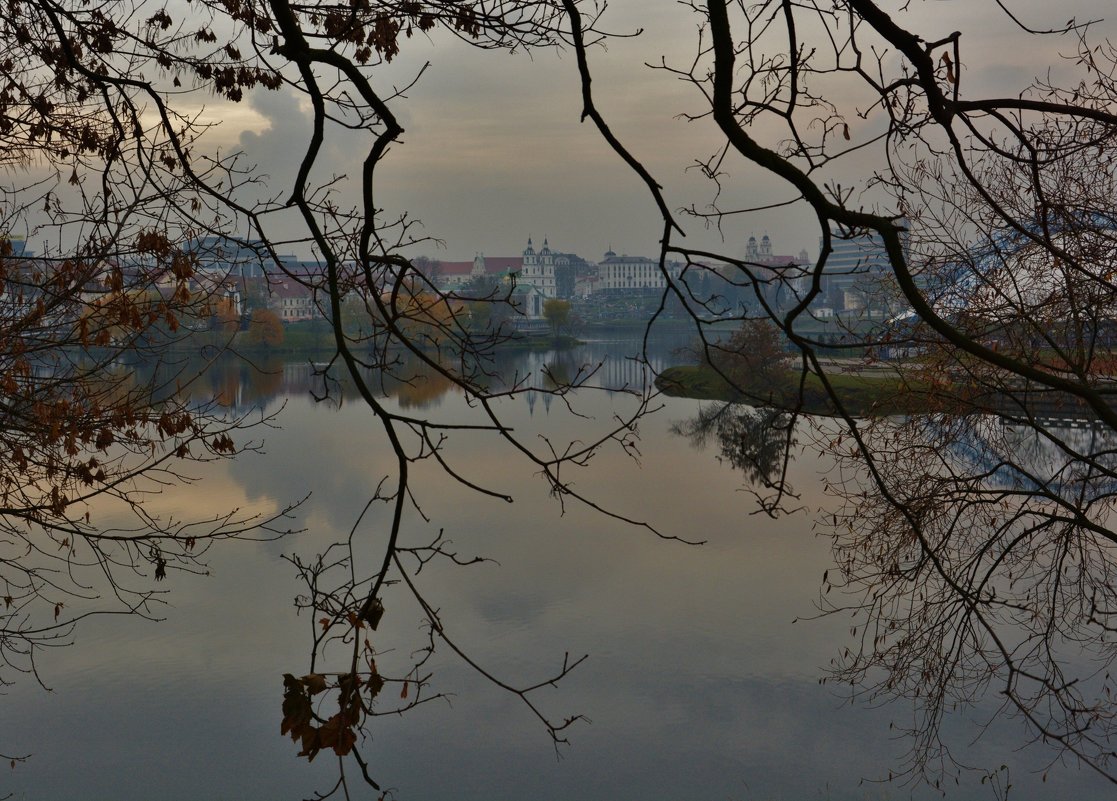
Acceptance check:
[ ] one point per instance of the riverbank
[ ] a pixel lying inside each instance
(875, 393)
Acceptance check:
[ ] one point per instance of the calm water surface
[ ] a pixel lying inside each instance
(699, 685)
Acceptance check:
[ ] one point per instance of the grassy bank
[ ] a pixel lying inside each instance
(861, 395)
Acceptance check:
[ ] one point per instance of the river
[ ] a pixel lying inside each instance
(702, 680)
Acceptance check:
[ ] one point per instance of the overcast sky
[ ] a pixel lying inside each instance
(494, 151)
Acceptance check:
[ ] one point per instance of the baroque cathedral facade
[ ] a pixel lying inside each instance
(539, 269)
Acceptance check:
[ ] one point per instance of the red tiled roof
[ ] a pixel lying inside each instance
(289, 289)
(453, 267)
(501, 264)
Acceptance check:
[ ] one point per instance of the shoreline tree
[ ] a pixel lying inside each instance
(265, 329)
(557, 313)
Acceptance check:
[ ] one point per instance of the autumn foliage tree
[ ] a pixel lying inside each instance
(93, 422)
(225, 319)
(754, 360)
(265, 329)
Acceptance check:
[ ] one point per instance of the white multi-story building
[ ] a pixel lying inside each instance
(630, 273)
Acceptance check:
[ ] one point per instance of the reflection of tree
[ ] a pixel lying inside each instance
(228, 380)
(755, 440)
(226, 386)
(421, 388)
(240, 383)
(562, 372)
(984, 564)
(994, 226)
(264, 381)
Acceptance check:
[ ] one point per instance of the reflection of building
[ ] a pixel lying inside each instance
(625, 373)
(1065, 452)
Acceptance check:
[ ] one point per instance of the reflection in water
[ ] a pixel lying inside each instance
(758, 441)
(1021, 458)
(976, 564)
(1016, 458)
(612, 365)
(698, 683)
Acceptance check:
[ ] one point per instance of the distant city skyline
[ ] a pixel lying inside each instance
(651, 252)
(494, 150)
